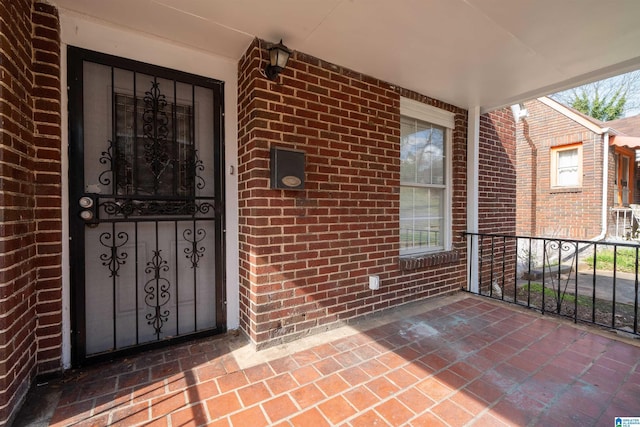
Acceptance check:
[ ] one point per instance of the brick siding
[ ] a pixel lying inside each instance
(497, 173)
(497, 196)
(48, 185)
(305, 256)
(30, 226)
(541, 210)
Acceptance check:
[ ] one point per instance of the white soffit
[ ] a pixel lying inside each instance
(487, 53)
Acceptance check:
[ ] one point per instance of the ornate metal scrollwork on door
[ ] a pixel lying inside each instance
(157, 293)
(153, 150)
(152, 175)
(106, 158)
(127, 208)
(114, 259)
(195, 252)
(156, 130)
(194, 168)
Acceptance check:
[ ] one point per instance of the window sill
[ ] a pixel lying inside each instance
(414, 262)
(560, 190)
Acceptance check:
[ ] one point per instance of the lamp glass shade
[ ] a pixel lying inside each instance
(279, 55)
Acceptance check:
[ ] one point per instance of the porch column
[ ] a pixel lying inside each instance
(473, 160)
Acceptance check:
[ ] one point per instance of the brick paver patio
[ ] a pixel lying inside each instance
(460, 361)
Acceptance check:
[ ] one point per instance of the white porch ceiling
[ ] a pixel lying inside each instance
(486, 53)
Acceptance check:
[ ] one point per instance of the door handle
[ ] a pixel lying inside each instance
(87, 205)
(85, 202)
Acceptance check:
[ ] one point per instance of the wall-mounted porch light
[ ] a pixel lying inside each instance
(519, 112)
(278, 57)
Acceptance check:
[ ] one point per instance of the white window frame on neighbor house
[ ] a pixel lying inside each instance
(557, 167)
(413, 110)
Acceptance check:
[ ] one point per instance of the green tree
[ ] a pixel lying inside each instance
(601, 108)
(607, 99)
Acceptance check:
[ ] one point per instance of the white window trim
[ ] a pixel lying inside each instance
(427, 113)
(446, 119)
(554, 164)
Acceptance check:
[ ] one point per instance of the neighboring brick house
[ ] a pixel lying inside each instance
(629, 126)
(568, 164)
(274, 263)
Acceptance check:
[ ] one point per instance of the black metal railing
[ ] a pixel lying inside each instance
(592, 282)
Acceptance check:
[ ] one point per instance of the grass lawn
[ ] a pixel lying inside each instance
(625, 260)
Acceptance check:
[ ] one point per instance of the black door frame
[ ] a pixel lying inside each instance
(75, 59)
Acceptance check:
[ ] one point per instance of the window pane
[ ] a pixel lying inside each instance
(421, 152)
(568, 158)
(568, 177)
(436, 165)
(407, 150)
(568, 168)
(421, 218)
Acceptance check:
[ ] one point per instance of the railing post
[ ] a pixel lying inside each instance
(593, 297)
(575, 302)
(558, 293)
(504, 260)
(615, 270)
(515, 271)
(635, 301)
(529, 276)
(480, 263)
(491, 273)
(473, 192)
(472, 263)
(544, 263)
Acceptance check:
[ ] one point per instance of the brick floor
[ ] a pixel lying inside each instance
(462, 361)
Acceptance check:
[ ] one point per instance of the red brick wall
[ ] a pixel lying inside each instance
(497, 197)
(305, 256)
(497, 173)
(48, 185)
(30, 224)
(527, 178)
(558, 213)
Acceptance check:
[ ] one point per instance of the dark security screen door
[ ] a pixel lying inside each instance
(145, 205)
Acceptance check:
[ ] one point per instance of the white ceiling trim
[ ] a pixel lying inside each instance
(469, 53)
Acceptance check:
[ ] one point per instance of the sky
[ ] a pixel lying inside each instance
(629, 80)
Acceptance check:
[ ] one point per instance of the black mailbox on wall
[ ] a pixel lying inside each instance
(287, 169)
